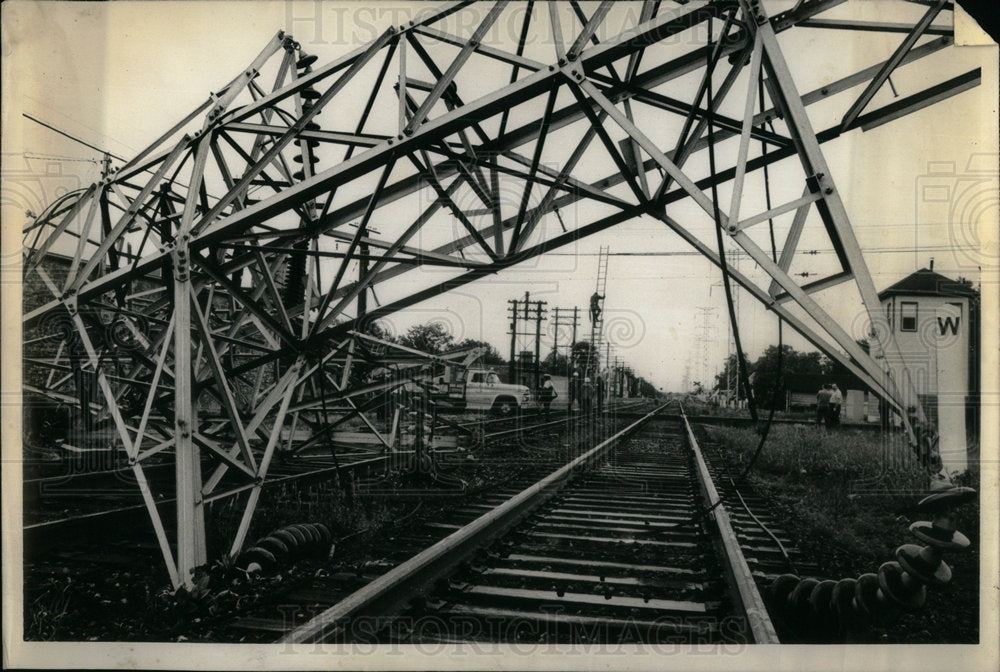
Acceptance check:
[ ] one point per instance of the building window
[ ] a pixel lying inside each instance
(907, 315)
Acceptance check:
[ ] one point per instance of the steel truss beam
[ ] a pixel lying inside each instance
(240, 266)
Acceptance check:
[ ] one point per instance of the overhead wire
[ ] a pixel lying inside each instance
(72, 137)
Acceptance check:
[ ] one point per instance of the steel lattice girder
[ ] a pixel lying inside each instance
(240, 295)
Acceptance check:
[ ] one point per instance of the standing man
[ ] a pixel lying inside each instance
(836, 399)
(823, 405)
(595, 307)
(586, 396)
(599, 390)
(574, 393)
(547, 394)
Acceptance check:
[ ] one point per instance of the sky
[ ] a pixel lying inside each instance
(118, 74)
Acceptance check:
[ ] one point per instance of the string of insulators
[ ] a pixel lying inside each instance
(296, 269)
(295, 276)
(836, 610)
(308, 95)
(285, 546)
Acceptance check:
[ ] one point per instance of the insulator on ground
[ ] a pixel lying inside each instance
(819, 598)
(798, 599)
(309, 94)
(277, 547)
(946, 500)
(311, 538)
(924, 563)
(900, 587)
(306, 60)
(258, 559)
(781, 587)
(300, 537)
(324, 531)
(842, 598)
(939, 535)
(298, 158)
(286, 537)
(868, 599)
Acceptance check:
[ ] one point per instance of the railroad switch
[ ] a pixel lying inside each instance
(835, 610)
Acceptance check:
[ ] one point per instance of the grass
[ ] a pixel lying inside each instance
(855, 460)
(843, 488)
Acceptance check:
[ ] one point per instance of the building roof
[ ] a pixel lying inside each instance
(926, 282)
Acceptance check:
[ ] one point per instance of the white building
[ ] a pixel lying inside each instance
(934, 321)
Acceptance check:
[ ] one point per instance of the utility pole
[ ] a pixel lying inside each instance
(562, 319)
(522, 338)
(512, 366)
(538, 346)
(576, 318)
(607, 365)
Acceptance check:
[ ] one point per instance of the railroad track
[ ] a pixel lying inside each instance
(618, 543)
(769, 549)
(94, 505)
(58, 498)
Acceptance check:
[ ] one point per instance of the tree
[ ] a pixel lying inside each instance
(728, 378)
(647, 389)
(377, 330)
(555, 363)
(585, 354)
(432, 338)
(799, 370)
(490, 357)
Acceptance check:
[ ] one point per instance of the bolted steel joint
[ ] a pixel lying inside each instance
(757, 11)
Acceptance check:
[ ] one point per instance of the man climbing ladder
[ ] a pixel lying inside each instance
(591, 365)
(595, 307)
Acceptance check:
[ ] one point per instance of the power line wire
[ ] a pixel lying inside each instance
(71, 137)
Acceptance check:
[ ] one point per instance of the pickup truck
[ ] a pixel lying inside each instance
(481, 390)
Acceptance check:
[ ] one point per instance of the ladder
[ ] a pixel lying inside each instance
(597, 326)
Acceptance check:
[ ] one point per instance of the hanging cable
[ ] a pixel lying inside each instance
(740, 357)
(779, 377)
(327, 431)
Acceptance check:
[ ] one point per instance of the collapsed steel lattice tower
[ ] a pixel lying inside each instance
(240, 258)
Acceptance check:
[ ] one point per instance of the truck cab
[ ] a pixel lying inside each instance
(484, 391)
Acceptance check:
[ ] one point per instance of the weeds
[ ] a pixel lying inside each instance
(858, 460)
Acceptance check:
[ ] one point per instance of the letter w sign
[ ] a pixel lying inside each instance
(948, 323)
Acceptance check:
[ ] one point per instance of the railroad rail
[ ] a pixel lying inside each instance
(60, 506)
(619, 540)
